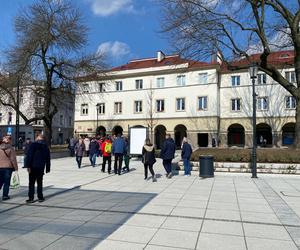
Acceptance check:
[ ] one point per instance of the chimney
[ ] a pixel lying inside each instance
(160, 56)
(216, 57)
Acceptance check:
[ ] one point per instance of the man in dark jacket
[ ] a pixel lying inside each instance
(118, 150)
(93, 151)
(38, 158)
(186, 155)
(167, 153)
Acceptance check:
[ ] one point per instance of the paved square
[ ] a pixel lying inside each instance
(87, 209)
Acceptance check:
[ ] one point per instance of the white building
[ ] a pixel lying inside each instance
(184, 97)
(30, 105)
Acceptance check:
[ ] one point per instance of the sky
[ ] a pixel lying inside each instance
(123, 29)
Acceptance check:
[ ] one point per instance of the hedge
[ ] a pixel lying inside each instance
(271, 155)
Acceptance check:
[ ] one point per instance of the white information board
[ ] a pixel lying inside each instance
(137, 137)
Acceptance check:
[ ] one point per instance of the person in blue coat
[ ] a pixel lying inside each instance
(93, 151)
(37, 161)
(167, 153)
(186, 156)
(118, 150)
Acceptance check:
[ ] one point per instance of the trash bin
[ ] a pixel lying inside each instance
(206, 166)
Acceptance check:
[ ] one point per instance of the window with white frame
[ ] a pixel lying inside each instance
(0, 117)
(235, 104)
(180, 104)
(84, 109)
(290, 102)
(203, 78)
(160, 105)
(21, 99)
(139, 84)
(160, 82)
(101, 108)
(85, 88)
(119, 85)
(290, 76)
(39, 101)
(261, 78)
(138, 106)
(262, 103)
(9, 118)
(118, 108)
(202, 103)
(61, 120)
(101, 87)
(235, 81)
(181, 80)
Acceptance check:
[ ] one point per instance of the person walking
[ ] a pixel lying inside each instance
(186, 156)
(126, 155)
(26, 146)
(106, 152)
(87, 142)
(79, 152)
(148, 153)
(167, 153)
(118, 150)
(72, 143)
(8, 164)
(37, 160)
(93, 151)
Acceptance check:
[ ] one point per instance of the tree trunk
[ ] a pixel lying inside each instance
(297, 125)
(48, 132)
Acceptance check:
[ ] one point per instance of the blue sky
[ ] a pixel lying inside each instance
(124, 29)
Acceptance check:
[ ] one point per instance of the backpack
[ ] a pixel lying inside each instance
(108, 147)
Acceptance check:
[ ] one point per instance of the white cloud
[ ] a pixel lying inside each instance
(109, 7)
(114, 51)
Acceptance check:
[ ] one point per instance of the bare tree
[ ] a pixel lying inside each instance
(47, 56)
(151, 119)
(235, 28)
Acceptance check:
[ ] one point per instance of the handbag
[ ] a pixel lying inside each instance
(15, 180)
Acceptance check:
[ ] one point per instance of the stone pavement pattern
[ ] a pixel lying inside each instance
(86, 209)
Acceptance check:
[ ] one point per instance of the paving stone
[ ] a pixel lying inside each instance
(119, 245)
(220, 242)
(8, 234)
(152, 221)
(222, 227)
(184, 224)
(32, 241)
(173, 238)
(267, 244)
(26, 223)
(133, 234)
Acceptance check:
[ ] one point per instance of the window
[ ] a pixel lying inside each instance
(203, 78)
(262, 103)
(290, 102)
(139, 84)
(235, 80)
(235, 104)
(39, 101)
(160, 105)
(84, 109)
(160, 82)
(261, 78)
(290, 76)
(101, 87)
(180, 104)
(21, 100)
(202, 103)
(85, 88)
(181, 80)
(9, 118)
(138, 106)
(119, 86)
(70, 121)
(61, 120)
(0, 117)
(101, 108)
(118, 107)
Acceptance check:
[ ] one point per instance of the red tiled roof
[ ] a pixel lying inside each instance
(278, 58)
(167, 61)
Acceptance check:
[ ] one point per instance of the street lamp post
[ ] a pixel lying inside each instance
(253, 75)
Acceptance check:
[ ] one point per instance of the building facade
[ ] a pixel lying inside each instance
(31, 105)
(203, 101)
